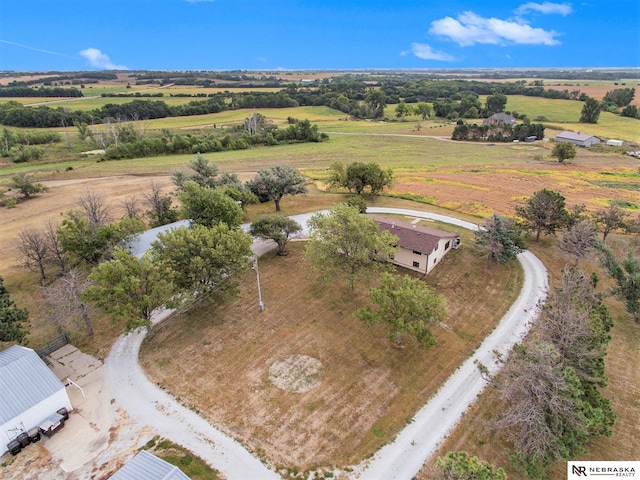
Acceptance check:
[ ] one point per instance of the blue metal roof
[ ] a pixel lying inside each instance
(146, 466)
(25, 381)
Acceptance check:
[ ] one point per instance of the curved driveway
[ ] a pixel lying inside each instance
(401, 459)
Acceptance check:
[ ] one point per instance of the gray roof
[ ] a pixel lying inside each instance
(146, 466)
(411, 236)
(25, 381)
(581, 137)
(500, 117)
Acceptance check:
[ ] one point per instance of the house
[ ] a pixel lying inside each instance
(420, 248)
(30, 393)
(146, 466)
(580, 139)
(500, 119)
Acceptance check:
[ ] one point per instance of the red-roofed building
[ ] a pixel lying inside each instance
(420, 248)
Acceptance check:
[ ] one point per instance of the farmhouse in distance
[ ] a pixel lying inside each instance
(420, 248)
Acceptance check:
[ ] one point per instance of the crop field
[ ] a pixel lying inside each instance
(335, 424)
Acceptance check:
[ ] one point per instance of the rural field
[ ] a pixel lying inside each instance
(368, 388)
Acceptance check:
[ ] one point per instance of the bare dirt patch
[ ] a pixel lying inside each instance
(296, 373)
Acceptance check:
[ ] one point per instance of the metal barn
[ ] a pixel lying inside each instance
(29, 393)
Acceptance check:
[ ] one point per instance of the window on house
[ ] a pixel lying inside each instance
(435, 260)
(416, 264)
(447, 245)
(437, 245)
(417, 252)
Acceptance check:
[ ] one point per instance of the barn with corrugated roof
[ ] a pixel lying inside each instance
(29, 393)
(146, 466)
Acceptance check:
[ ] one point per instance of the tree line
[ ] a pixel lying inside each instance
(451, 98)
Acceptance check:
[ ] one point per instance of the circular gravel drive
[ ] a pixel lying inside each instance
(401, 459)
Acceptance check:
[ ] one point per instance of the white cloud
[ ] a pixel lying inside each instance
(424, 51)
(563, 9)
(469, 29)
(101, 60)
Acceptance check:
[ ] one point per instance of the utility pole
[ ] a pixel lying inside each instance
(255, 267)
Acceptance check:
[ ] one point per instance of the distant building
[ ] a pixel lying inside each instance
(420, 248)
(580, 139)
(146, 466)
(500, 119)
(614, 143)
(29, 393)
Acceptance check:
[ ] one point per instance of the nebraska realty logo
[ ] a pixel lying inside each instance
(580, 470)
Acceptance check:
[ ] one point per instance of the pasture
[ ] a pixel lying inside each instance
(197, 352)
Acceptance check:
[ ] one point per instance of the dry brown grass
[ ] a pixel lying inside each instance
(475, 435)
(216, 359)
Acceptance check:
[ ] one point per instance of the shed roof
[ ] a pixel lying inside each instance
(146, 466)
(412, 237)
(574, 136)
(25, 381)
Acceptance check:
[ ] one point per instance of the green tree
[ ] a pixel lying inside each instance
(500, 238)
(27, 185)
(161, 212)
(208, 207)
(276, 228)
(495, 103)
(544, 212)
(349, 243)
(630, 111)
(130, 289)
(620, 97)
(408, 305)
(202, 172)
(423, 109)
(275, 182)
(12, 318)
(590, 111)
(358, 177)
(564, 151)
(375, 100)
(627, 277)
(402, 110)
(84, 241)
(460, 466)
(203, 259)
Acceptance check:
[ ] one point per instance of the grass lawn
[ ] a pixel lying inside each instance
(334, 424)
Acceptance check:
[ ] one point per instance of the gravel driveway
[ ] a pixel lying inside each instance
(402, 459)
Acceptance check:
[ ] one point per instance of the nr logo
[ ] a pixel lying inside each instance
(578, 470)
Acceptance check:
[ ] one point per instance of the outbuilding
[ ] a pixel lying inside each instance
(419, 248)
(580, 139)
(614, 143)
(146, 466)
(30, 393)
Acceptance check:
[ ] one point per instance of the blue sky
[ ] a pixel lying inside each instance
(306, 35)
